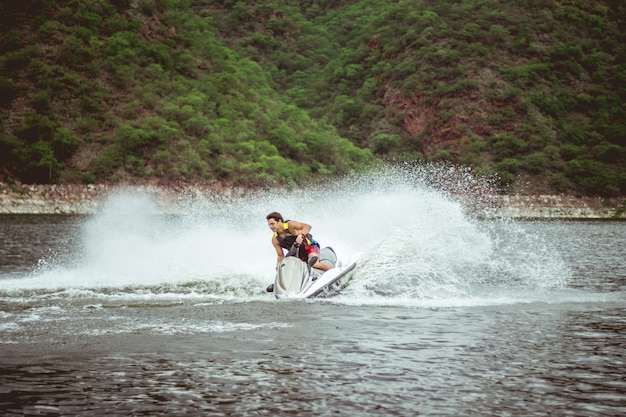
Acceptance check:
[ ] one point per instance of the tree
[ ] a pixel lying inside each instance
(46, 157)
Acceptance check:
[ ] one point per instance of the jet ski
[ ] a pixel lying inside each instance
(296, 279)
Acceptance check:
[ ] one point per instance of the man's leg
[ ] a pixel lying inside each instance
(314, 257)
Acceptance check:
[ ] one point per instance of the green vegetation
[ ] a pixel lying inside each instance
(277, 91)
(125, 91)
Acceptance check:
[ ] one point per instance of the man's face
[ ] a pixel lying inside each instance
(275, 225)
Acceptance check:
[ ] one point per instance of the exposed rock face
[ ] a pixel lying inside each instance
(560, 206)
(86, 199)
(51, 199)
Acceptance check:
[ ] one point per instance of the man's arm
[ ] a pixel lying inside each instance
(297, 228)
(279, 251)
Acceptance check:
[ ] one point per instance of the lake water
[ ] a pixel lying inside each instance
(134, 312)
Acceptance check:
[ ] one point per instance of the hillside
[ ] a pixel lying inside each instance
(257, 93)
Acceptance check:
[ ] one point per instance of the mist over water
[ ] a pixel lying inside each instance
(419, 233)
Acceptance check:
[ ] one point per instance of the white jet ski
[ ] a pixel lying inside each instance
(296, 279)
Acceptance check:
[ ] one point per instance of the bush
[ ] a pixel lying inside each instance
(592, 177)
(73, 53)
(535, 163)
(570, 151)
(609, 153)
(384, 143)
(88, 178)
(443, 155)
(14, 62)
(64, 143)
(8, 91)
(508, 145)
(561, 183)
(132, 138)
(508, 165)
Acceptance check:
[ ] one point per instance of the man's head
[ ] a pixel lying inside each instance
(275, 215)
(275, 221)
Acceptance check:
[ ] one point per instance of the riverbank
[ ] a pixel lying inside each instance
(87, 199)
(559, 207)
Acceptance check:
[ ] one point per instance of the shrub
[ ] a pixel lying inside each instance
(384, 143)
(509, 165)
(14, 62)
(535, 163)
(88, 178)
(64, 143)
(132, 138)
(8, 91)
(609, 153)
(560, 182)
(592, 177)
(570, 151)
(508, 145)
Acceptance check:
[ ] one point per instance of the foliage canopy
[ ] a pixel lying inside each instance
(276, 91)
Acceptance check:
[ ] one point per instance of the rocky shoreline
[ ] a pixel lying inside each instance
(559, 207)
(88, 199)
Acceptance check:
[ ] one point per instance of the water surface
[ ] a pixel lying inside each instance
(134, 312)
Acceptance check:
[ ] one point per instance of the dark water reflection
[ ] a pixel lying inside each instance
(594, 250)
(575, 365)
(29, 239)
(529, 360)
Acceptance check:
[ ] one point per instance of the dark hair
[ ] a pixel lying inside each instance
(274, 215)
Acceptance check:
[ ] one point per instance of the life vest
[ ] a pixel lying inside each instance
(289, 239)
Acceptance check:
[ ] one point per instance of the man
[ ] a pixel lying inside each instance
(286, 233)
